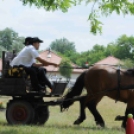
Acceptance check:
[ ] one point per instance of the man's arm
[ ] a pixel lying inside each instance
(46, 63)
(37, 64)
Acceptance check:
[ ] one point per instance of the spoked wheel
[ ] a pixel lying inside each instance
(41, 115)
(19, 112)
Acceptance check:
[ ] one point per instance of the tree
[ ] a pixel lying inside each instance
(97, 53)
(99, 7)
(1, 49)
(65, 68)
(63, 46)
(124, 47)
(10, 40)
(128, 63)
(111, 49)
(6, 38)
(18, 44)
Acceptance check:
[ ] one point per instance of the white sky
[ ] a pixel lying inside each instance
(73, 25)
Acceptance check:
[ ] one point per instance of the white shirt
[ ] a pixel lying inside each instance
(25, 57)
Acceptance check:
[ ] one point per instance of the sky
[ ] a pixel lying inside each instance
(72, 25)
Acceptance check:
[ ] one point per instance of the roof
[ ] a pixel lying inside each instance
(53, 57)
(50, 57)
(110, 60)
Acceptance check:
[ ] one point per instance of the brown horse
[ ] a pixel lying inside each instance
(102, 80)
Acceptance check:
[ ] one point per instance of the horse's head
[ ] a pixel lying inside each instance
(67, 102)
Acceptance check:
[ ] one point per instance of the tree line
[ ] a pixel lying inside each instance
(122, 48)
(10, 40)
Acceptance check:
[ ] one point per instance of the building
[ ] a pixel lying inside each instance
(110, 60)
(52, 71)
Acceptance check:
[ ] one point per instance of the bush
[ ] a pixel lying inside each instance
(65, 68)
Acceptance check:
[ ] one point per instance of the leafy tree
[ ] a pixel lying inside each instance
(18, 44)
(6, 38)
(128, 63)
(99, 8)
(111, 49)
(124, 47)
(63, 46)
(10, 40)
(96, 54)
(65, 68)
(74, 56)
(1, 49)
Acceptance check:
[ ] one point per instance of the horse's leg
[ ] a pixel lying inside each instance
(119, 118)
(82, 116)
(92, 108)
(128, 111)
(98, 118)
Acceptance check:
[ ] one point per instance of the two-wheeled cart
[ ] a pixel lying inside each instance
(25, 107)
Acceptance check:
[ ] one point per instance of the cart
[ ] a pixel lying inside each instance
(25, 107)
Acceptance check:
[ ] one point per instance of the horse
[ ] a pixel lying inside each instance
(100, 81)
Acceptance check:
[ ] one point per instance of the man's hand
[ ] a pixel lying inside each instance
(56, 65)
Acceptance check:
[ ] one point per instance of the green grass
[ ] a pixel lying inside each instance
(62, 123)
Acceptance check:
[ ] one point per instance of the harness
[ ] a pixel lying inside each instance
(118, 84)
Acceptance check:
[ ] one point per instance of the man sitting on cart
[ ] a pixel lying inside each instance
(43, 80)
(27, 57)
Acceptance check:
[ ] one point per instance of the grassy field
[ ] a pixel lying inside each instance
(62, 123)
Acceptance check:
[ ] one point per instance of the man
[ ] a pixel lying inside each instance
(41, 71)
(28, 41)
(27, 57)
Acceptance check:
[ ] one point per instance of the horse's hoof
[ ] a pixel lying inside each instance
(77, 122)
(123, 125)
(100, 124)
(119, 118)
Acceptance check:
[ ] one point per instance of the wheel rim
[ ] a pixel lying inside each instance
(19, 113)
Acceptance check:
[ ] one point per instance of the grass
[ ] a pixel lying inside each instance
(62, 123)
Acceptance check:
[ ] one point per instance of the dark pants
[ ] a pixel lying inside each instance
(41, 74)
(38, 76)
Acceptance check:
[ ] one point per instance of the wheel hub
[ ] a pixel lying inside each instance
(19, 113)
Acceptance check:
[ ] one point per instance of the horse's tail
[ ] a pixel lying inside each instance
(75, 91)
(78, 86)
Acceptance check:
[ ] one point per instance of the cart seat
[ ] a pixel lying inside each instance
(7, 57)
(16, 71)
(11, 72)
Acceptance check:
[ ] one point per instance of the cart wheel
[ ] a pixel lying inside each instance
(41, 115)
(19, 112)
